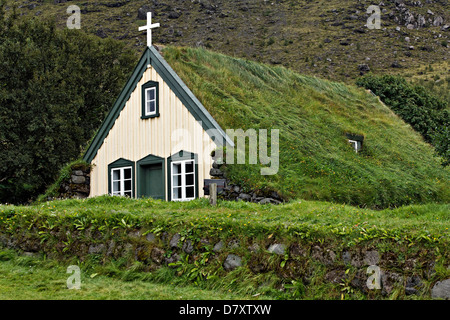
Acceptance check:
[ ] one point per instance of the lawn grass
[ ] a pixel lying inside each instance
(34, 278)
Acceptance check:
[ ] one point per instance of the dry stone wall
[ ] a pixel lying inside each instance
(299, 260)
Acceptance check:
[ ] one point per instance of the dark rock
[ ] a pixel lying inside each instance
(173, 258)
(101, 33)
(395, 64)
(96, 248)
(142, 12)
(111, 247)
(232, 262)
(412, 284)
(218, 246)
(438, 21)
(215, 172)
(363, 67)
(245, 197)
(277, 248)
(215, 165)
(371, 258)
(359, 281)
(296, 250)
(346, 257)
(335, 276)
(78, 179)
(157, 255)
(175, 240)
(150, 237)
(389, 281)
(233, 244)
(327, 257)
(188, 247)
(441, 290)
(174, 15)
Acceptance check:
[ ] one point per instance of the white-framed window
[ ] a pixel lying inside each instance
(150, 101)
(122, 181)
(355, 144)
(183, 180)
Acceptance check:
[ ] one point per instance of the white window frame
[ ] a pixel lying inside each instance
(121, 181)
(148, 101)
(183, 180)
(354, 143)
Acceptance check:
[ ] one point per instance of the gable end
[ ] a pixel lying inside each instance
(194, 106)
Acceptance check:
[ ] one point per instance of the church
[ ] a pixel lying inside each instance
(158, 138)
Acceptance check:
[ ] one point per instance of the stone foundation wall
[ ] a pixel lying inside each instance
(409, 274)
(235, 192)
(77, 185)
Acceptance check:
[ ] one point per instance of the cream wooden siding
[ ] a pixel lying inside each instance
(133, 138)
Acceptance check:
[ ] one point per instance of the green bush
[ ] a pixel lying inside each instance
(55, 89)
(425, 112)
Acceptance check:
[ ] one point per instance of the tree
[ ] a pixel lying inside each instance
(56, 87)
(425, 112)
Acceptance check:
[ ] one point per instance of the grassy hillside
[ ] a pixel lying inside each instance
(396, 166)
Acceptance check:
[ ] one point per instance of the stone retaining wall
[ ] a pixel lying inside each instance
(408, 273)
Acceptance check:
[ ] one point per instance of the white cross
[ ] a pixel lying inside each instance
(149, 28)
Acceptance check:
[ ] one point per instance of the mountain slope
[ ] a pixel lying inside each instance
(395, 167)
(326, 38)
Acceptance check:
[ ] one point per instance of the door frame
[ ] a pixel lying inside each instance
(150, 160)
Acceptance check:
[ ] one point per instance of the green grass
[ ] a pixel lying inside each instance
(396, 167)
(35, 278)
(319, 219)
(410, 231)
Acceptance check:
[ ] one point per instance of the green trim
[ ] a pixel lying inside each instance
(120, 163)
(175, 84)
(148, 160)
(181, 155)
(147, 85)
(188, 99)
(117, 107)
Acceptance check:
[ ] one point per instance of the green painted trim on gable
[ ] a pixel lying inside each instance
(176, 85)
(188, 99)
(110, 119)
